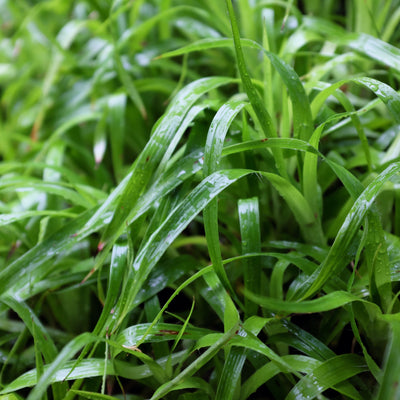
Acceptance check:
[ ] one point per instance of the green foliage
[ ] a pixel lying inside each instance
(199, 200)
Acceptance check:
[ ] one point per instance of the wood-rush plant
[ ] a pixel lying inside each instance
(199, 200)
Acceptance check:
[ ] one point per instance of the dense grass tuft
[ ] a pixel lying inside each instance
(199, 200)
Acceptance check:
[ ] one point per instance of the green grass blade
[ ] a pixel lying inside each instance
(325, 303)
(283, 143)
(91, 367)
(251, 342)
(230, 376)
(388, 95)
(249, 219)
(336, 259)
(158, 332)
(376, 253)
(117, 269)
(58, 189)
(254, 98)
(327, 375)
(212, 154)
(389, 388)
(92, 395)
(116, 124)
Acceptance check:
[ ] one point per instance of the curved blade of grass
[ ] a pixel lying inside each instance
(91, 367)
(315, 252)
(217, 132)
(184, 327)
(376, 253)
(6, 219)
(276, 280)
(195, 383)
(283, 143)
(86, 369)
(231, 313)
(251, 342)
(388, 95)
(159, 332)
(91, 395)
(134, 35)
(308, 343)
(25, 184)
(199, 45)
(339, 255)
(327, 375)
(353, 186)
(327, 302)
(212, 154)
(302, 118)
(218, 299)
(373, 367)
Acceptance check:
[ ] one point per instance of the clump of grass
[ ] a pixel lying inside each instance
(199, 200)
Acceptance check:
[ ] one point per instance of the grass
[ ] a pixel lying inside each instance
(199, 200)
